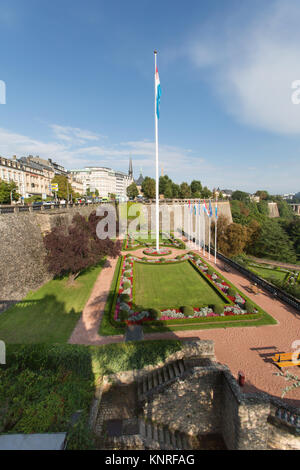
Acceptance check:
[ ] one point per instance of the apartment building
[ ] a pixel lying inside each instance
(12, 170)
(105, 180)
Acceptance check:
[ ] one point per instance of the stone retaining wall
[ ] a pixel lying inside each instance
(208, 400)
(22, 251)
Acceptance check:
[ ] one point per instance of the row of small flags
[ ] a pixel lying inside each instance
(207, 210)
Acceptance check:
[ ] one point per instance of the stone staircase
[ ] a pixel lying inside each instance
(159, 378)
(159, 437)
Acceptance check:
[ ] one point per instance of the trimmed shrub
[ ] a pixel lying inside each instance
(231, 292)
(249, 306)
(155, 313)
(126, 275)
(218, 309)
(124, 298)
(187, 310)
(161, 260)
(123, 315)
(126, 284)
(210, 271)
(144, 258)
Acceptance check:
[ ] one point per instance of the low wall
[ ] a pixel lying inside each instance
(207, 400)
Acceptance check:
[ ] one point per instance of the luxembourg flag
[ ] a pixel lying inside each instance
(205, 208)
(210, 209)
(158, 92)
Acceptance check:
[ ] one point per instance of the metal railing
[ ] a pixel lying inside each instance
(6, 209)
(275, 291)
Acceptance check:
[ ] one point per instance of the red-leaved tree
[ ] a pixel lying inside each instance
(71, 249)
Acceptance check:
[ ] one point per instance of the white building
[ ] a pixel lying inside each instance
(105, 180)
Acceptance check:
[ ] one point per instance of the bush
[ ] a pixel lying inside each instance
(123, 315)
(187, 310)
(218, 309)
(126, 275)
(155, 313)
(231, 292)
(126, 284)
(144, 258)
(124, 298)
(249, 306)
(162, 260)
(210, 271)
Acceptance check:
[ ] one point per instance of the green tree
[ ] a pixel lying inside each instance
(206, 193)
(263, 195)
(196, 188)
(65, 190)
(148, 187)
(132, 191)
(292, 228)
(273, 243)
(175, 190)
(8, 191)
(240, 196)
(185, 191)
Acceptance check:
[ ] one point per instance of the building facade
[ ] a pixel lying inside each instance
(105, 180)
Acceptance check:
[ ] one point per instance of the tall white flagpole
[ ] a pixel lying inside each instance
(156, 158)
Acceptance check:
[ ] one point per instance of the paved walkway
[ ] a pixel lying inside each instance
(247, 349)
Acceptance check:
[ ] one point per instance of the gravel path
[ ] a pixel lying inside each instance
(248, 349)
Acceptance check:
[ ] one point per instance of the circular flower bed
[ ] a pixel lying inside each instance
(153, 252)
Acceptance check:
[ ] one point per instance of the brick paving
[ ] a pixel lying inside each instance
(244, 348)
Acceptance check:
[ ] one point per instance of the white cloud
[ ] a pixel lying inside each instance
(179, 163)
(73, 135)
(253, 64)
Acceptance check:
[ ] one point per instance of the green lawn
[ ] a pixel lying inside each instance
(42, 386)
(166, 285)
(268, 273)
(49, 314)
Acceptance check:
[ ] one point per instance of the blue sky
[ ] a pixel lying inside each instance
(79, 83)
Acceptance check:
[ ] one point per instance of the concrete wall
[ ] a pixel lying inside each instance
(273, 210)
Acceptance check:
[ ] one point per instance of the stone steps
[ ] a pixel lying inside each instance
(159, 377)
(161, 437)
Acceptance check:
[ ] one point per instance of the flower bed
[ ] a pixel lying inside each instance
(154, 252)
(130, 243)
(126, 312)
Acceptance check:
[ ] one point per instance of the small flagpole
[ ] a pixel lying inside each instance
(203, 233)
(199, 228)
(216, 227)
(190, 228)
(209, 230)
(156, 158)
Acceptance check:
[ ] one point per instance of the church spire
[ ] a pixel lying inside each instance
(130, 171)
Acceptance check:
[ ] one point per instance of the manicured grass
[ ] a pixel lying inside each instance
(110, 327)
(172, 286)
(106, 326)
(42, 386)
(268, 273)
(49, 314)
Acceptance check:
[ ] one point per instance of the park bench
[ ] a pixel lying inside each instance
(254, 289)
(286, 359)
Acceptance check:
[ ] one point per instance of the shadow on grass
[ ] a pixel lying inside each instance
(44, 320)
